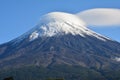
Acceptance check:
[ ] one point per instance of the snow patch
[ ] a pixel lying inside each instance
(117, 59)
(34, 35)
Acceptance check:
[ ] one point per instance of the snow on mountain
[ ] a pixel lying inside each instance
(60, 23)
(117, 59)
(34, 35)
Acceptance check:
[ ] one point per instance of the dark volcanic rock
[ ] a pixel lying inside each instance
(68, 49)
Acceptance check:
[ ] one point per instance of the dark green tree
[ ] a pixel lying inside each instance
(55, 79)
(9, 78)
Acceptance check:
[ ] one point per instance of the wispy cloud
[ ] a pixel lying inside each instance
(101, 16)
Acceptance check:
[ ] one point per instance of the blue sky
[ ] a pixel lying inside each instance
(18, 16)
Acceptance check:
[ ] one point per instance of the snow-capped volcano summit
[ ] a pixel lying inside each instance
(60, 23)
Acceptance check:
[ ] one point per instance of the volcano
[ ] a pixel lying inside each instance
(60, 46)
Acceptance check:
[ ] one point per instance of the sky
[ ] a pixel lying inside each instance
(19, 16)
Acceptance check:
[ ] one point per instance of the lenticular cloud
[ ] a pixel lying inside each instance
(101, 16)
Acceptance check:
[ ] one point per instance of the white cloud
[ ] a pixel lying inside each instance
(101, 17)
